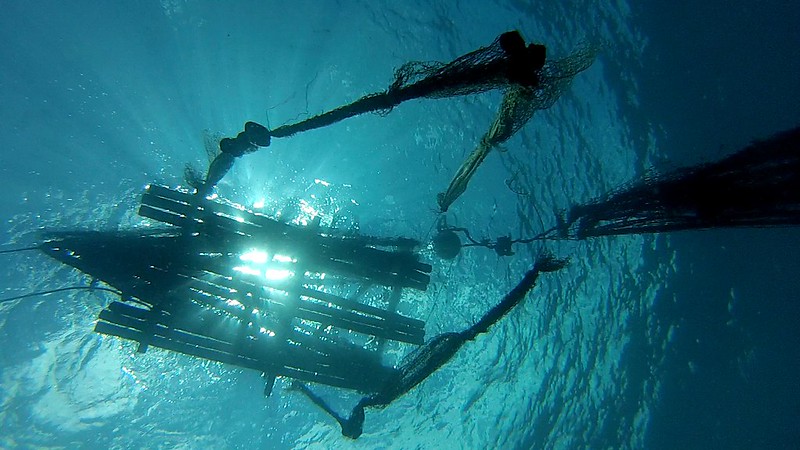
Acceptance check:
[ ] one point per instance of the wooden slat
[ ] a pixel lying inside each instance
(194, 324)
(215, 296)
(286, 361)
(349, 321)
(165, 204)
(337, 255)
(329, 254)
(401, 321)
(173, 194)
(354, 316)
(266, 222)
(162, 216)
(366, 384)
(161, 329)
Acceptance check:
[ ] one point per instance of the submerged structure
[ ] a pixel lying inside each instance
(313, 304)
(229, 285)
(326, 306)
(321, 306)
(225, 284)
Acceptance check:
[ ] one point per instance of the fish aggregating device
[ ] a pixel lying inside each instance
(323, 305)
(226, 284)
(229, 285)
(316, 305)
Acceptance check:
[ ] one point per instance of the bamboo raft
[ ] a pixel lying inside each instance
(226, 284)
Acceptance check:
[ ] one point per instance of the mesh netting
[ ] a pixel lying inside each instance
(436, 353)
(519, 104)
(757, 187)
(506, 61)
(481, 70)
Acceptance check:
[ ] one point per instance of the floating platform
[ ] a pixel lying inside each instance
(226, 284)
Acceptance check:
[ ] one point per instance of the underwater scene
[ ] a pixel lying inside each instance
(450, 224)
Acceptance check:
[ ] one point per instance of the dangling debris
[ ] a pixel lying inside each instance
(757, 187)
(519, 104)
(508, 61)
(436, 353)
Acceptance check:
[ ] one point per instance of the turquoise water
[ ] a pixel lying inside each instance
(671, 341)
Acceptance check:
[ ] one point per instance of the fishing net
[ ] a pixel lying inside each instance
(434, 354)
(519, 104)
(507, 61)
(758, 186)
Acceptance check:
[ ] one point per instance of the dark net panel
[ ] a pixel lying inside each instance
(478, 71)
(758, 186)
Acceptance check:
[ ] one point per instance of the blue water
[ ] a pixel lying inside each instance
(674, 341)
